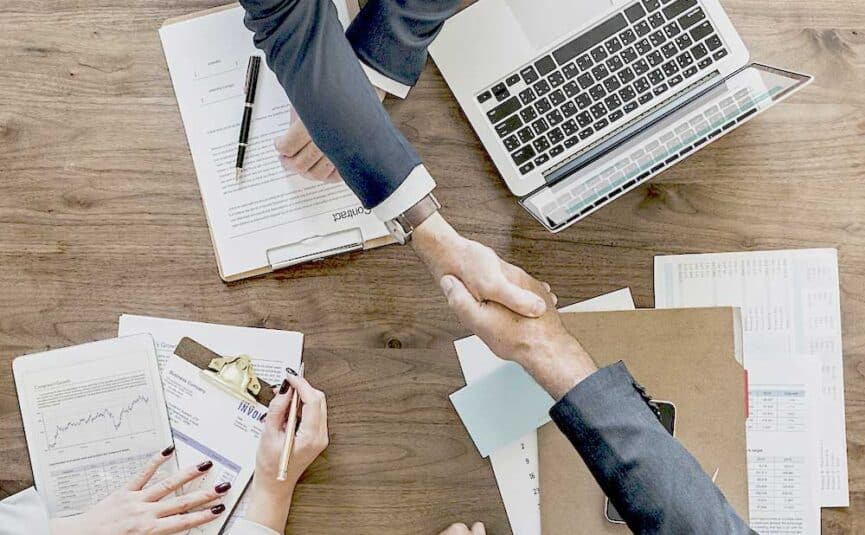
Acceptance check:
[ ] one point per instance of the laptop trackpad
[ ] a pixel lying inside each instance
(545, 21)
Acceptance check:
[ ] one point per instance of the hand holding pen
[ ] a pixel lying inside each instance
(270, 497)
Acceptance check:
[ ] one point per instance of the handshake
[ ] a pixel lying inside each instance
(513, 313)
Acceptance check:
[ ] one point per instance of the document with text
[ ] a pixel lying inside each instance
(516, 465)
(271, 350)
(209, 424)
(790, 303)
(784, 445)
(268, 218)
(94, 415)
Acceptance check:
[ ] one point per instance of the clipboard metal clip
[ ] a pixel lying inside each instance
(235, 375)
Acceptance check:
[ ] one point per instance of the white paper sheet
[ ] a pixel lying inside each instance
(268, 217)
(790, 306)
(94, 416)
(784, 445)
(516, 465)
(271, 350)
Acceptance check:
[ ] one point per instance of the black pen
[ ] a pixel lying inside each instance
(249, 90)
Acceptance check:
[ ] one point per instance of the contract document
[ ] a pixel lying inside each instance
(268, 218)
(516, 465)
(94, 415)
(784, 446)
(790, 303)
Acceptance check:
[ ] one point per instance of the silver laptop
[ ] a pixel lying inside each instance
(580, 101)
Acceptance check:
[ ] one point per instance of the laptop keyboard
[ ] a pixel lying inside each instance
(579, 198)
(614, 71)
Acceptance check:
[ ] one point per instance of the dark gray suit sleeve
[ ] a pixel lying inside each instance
(305, 46)
(392, 36)
(654, 483)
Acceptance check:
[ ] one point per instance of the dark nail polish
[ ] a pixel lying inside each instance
(222, 487)
(217, 509)
(168, 451)
(291, 371)
(284, 386)
(205, 466)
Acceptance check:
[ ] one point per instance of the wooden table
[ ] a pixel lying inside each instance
(100, 214)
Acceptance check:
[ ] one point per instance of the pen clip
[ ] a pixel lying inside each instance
(246, 79)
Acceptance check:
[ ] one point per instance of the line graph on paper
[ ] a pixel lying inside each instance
(96, 410)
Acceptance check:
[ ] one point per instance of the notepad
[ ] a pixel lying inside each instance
(270, 218)
(502, 407)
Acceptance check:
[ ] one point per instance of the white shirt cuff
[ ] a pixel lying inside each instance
(415, 187)
(245, 527)
(388, 85)
(24, 513)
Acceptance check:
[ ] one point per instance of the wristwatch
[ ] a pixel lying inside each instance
(402, 226)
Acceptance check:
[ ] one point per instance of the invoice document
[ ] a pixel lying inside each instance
(94, 415)
(516, 465)
(790, 303)
(271, 350)
(784, 445)
(210, 424)
(268, 218)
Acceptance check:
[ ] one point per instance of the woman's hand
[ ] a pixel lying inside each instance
(461, 529)
(154, 510)
(271, 499)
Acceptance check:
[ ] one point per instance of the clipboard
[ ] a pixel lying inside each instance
(234, 375)
(255, 261)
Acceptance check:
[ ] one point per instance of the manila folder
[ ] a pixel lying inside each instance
(691, 358)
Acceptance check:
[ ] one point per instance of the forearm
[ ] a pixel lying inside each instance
(433, 241)
(268, 508)
(392, 37)
(305, 47)
(654, 483)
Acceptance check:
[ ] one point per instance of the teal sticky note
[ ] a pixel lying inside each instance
(502, 407)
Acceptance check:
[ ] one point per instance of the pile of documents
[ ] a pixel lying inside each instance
(789, 341)
(95, 414)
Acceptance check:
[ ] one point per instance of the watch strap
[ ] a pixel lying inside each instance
(420, 212)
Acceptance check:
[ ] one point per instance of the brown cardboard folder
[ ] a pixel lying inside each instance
(688, 357)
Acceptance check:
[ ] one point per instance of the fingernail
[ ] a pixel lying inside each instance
(447, 284)
(205, 466)
(222, 487)
(283, 388)
(290, 371)
(547, 286)
(555, 299)
(217, 509)
(168, 451)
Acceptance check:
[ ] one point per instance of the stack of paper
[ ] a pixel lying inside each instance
(790, 304)
(790, 307)
(96, 414)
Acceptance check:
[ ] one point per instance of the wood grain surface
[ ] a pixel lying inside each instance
(100, 214)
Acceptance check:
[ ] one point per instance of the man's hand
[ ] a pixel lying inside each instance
(487, 277)
(540, 345)
(461, 529)
(299, 154)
